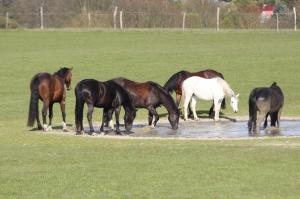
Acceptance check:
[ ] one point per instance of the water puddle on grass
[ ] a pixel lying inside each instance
(222, 129)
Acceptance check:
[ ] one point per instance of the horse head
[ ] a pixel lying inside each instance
(130, 114)
(68, 78)
(234, 100)
(174, 119)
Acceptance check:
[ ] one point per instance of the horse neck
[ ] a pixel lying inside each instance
(60, 78)
(228, 92)
(168, 102)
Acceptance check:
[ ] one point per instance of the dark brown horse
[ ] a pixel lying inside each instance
(50, 89)
(107, 95)
(174, 83)
(265, 101)
(151, 95)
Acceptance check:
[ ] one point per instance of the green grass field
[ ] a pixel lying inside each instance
(36, 165)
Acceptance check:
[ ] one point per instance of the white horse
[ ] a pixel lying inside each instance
(207, 89)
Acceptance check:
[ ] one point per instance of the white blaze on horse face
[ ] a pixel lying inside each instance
(234, 103)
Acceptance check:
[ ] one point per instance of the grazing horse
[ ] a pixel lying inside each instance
(175, 83)
(50, 89)
(267, 101)
(151, 95)
(107, 95)
(207, 89)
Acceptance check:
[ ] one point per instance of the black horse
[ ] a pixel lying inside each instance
(107, 95)
(174, 83)
(267, 101)
(151, 95)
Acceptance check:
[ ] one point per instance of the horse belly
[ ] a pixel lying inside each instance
(205, 93)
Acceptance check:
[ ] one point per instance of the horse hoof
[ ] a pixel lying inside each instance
(49, 128)
(93, 134)
(65, 130)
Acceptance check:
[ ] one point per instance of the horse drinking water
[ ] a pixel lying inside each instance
(207, 89)
(151, 95)
(174, 83)
(266, 101)
(50, 89)
(107, 95)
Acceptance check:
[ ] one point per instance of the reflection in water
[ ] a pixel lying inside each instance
(222, 129)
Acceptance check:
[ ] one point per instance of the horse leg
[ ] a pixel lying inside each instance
(89, 117)
(150, 118)
(259, 120)
(273, 118)
(153, 112)
(193, 104)
(63, 113)
(117, 115)
(278, 117)
(190, 111)
(211, 111)
(266, 121)
(178, 98)
(217, 104)
(185, 106)
(50, 116)
(44, 114)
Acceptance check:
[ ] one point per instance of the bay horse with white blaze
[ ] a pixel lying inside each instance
(50, 89)
(266, 101)
(174, 83)
(151, 95)
(107, 95)
(215, 89)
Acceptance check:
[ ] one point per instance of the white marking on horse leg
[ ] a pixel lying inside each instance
(49, 128)
(217, 106)
(64, 126)
(111, 124)
(193, 104)
(45, 127)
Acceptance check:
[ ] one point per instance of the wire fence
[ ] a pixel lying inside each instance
(123, 20)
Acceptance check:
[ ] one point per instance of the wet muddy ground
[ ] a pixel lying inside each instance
(207, 129)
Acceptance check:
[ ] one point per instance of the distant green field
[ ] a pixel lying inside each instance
(35, 165)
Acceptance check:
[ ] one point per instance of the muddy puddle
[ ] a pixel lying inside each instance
(222, 129)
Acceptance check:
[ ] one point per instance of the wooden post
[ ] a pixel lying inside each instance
(277, 22)
(183, 21)
(295, 18)
(7, 18)
(121, 20)
(218, 18)
(115, 17)
(42, 17)
(89, 20)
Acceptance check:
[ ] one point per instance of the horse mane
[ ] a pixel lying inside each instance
(227, 90)
(62, 72)
(171, 84)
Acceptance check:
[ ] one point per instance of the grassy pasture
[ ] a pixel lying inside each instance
(35, 165)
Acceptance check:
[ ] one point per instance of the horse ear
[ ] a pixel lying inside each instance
(237, 95)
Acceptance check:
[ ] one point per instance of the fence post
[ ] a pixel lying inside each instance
(218, 18)
(115, 17)
(277, 22)
(42, 17)
(183, 21)
(295, 18)
(121, 20)
(89, 19)
(7, 18)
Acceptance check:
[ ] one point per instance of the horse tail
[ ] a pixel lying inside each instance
(34, 103)
(79, 104)
(252, 106)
